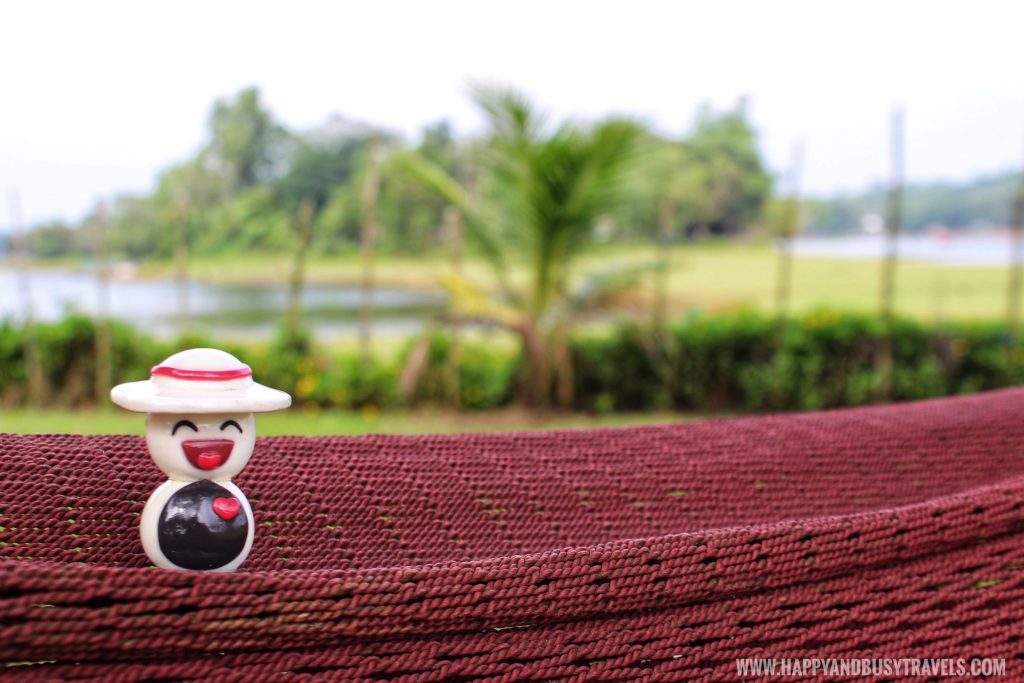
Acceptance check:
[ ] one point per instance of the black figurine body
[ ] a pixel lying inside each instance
(202, 526)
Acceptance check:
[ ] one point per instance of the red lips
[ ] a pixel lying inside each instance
(207, 454)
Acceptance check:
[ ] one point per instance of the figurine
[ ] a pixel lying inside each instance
(200, 431)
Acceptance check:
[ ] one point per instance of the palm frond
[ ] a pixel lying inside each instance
(574, 178)
(468, 300)
(477, 224)
(510, 114)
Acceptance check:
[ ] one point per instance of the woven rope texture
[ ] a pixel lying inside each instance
(651, 553)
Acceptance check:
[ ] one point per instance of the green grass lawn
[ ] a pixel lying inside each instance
(22, 421)
(745, 275)
(706, 276)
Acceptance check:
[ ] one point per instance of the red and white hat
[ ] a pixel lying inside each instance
(199, 381)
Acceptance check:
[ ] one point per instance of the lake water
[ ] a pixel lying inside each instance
(984, 249)
(223, 310)
(332, 311)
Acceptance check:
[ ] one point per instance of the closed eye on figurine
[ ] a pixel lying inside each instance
(185, 423)
(231, 423)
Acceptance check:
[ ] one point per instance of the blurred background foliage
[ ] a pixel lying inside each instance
(509, 222)
(735, 362)
(243, 187)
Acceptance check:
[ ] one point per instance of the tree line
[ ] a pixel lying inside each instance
(986, 201)
(528, 188)
(242, 190)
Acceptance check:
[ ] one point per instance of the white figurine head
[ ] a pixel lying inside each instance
(201, 445)
(200, 404)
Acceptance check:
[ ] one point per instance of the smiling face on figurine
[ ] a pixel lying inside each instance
(202, 445)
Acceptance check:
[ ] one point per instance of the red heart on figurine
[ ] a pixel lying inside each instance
(226, 508)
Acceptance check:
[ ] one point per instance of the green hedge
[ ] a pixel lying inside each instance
(748, 362)
(734, 362)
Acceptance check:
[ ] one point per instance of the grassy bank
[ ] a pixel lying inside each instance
(705, 276)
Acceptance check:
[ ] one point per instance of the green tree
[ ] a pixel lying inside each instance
(659, 192)
(319, 167)
(220, 185)
(414, 214)
(327, 168)
(247, 145)
(53, 240)
(545, 191)
(136, 229)
(728, 185)
(711, 181)
(982, 201)
(253, 219)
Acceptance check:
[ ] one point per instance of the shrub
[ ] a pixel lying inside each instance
(485, 378)
(748, 362)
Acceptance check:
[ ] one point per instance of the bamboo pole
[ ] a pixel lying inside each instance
(297, 281)
(103, 342)
(789, 226)
(367, 239)
(36, 385)
(666, 228)
(893, 221)
(1016, 278)
(182, 204)
(452, 222)
(893, 218)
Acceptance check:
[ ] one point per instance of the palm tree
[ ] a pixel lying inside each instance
(543, 191)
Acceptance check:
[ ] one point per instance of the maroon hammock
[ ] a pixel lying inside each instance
(647, 553)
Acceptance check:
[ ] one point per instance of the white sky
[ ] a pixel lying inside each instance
(98, 96)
